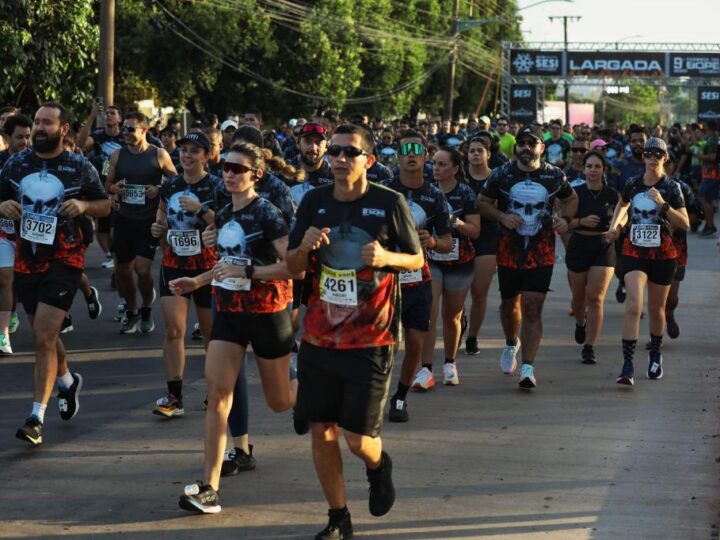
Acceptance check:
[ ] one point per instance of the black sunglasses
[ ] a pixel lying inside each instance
(129, 129)
(579, 150)
(658, 154)
(530, 143)
(350, 151)
(236, 168)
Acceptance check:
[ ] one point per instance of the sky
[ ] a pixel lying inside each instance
(671, 21)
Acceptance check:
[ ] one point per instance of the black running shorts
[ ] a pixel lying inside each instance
(514, 281)
(344, 386)
(131, 238)
(417, 306)
(658, 271)
(584, 251)
(55, 287)
(270, 334)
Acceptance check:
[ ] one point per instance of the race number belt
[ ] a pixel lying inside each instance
(134, 194)
(338, 287)
(410, 276)
(645, 235)
(184, 243)
(452, 255)
(7, 226)
(38, 228)
(234, 284)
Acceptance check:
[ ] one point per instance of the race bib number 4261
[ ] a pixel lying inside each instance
(338, 287)
(645, 235)
(38, 228)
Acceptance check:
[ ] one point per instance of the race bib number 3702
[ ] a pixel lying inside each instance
(38, 228)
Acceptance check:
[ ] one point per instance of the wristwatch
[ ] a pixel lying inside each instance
(203, 210)
(665, 207)
(249, 271)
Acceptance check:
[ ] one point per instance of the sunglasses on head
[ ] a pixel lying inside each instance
(308, 129)
(579, 150)
(350, 151)
(658, 154)
(129, 129)
(412, 148)
(236, 168)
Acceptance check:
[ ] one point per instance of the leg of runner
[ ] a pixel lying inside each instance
(634, 286)
(452, 307)
(578, 285)
(124, 272)
(484, 270)
(673, 330)
(240, 458)
(510, 318)
(599, 278)
(175, 312)
(428, 346)
(280, 391)
(146, 286)
(530, 335)
(657, 297)
(6, 301)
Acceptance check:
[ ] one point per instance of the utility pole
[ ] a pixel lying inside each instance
(107, 51)
(448, 108)
(565, 19)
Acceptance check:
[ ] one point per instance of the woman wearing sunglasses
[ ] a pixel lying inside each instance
(649, 255)
(185, 210)
(485, 245)
(251, 289)
(452, 272)
(590, 256)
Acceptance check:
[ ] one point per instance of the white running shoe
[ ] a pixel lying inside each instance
(108, 263)
(424, 379)
(527, 377)
(450, 374)
(508, 360)
(5, 348)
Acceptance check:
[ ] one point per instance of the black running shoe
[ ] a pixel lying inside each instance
(200, 498)
(93, 303)
(620, 293)
(580, 333)
(588, 355)
(471, 346)
(627, 375)
(196, 333)
(67, 325)
(238, 461)
(68, 401)
(655, 370)
(382, 490)
(301, 426)
(31, 431)
(337, 530)
(398, 410)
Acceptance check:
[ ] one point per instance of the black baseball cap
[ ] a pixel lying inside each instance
(527, 131)
(198, 138)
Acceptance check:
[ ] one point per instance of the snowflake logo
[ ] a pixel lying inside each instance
(523, 63)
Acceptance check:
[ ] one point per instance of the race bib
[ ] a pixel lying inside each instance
(7, 226)
(105, 168)
(645, 235)
(452, 255)
(134, 194)
(184, 243)
(234, 284)
(410, 276)
(338, 287)
(38, 228)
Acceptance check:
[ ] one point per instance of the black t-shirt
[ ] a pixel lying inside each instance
(103, 147)
(323, 175)
(574, 177)
(530, 195)
(556, 151)
(365, 312)
(596, 203)
(269, 187)
(462, 202)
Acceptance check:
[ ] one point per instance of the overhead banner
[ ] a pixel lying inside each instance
(694, 64)
(541, 63)
(616, 64)
(523, 103)
(708, 102)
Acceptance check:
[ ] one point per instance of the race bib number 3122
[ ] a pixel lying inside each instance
(645, 235)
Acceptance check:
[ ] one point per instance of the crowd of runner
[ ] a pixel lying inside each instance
(377, 229)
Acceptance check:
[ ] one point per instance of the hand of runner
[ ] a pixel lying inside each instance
(151, 191)
(591, 221)
(11, 209)
(426, 239)
(73, 208)
(314, 238)
(560, 225)
(158, 229)
(610, 236)
(224, 270)
(373, 254)
(209, 236)
(119, 188)
(183, 285)
(654, 195)
(188, 204)
(511, 221)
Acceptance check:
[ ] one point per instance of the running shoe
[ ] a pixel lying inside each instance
(200, 498)
(14, 323)
(673, 329)
(108, 263)
(169, 406)
(398, 410)
(627, 375)
(508, 360)
(580, 333)
(655, 370)
(450, 374)
(708, 233)
(336, 529)
(424, 380)
(130, 324)
(31, 431)
(5, 348)
(147, 324)
(93, 303)
(588, 355)
(237, 461)
(527, 377)
(471, 346)
(382, 490)
(68, 399)
(120, 312)
(620, 293)
(196, 333)
(67, 325)
(293, 366)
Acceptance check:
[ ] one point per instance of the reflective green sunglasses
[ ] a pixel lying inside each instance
(412, 148)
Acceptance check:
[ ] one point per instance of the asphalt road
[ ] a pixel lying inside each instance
(578, 458)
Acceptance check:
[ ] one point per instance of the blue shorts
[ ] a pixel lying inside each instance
(710, 190)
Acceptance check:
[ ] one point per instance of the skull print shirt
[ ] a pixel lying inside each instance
(530, 195)
(178, 219)
(680, 236)
(247, 235)
(41, 186)
(429, 210)
(461, 203)
(643, 211)
(367, 315)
